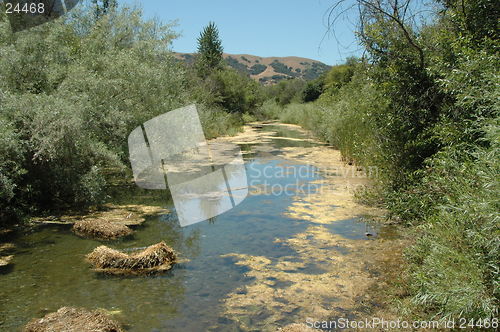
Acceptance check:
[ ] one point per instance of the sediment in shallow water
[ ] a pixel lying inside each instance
(297, 328)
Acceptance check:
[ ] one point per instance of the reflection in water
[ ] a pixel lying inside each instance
(209, 195)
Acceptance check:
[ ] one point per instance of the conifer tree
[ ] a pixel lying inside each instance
(209, 55)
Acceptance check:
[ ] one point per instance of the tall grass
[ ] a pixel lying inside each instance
(454, 261)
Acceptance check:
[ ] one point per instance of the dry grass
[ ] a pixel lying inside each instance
(69, 319)
(155, 258)
(100, 229)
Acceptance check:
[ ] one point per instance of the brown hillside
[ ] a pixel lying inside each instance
(270, 70)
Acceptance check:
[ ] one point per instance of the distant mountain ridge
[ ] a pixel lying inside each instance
(270, 70)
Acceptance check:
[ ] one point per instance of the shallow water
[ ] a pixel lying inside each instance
(49, 271)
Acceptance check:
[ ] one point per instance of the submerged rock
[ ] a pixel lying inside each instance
(100, 229)
(69, 319)
(156, 258)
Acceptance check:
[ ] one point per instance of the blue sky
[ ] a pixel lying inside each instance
(258, 27)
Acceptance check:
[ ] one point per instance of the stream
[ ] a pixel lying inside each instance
(263, 264)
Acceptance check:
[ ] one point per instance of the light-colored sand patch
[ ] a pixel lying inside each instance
(5, 248)
(334, 199)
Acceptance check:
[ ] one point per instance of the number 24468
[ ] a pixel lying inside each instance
(31, 8)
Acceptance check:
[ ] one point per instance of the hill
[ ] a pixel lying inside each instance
(270, 70)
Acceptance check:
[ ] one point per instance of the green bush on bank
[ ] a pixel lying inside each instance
(73, 89)
(70, 92)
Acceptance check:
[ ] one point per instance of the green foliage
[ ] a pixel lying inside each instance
(305, 115)
(218, 122)
(278, 78)
(313, 90)
(234, 63)
(228, 90)
(455, 258)
(209, 56)
(424, 109)
(11, 168)
(239, 95)
(286, 91)
(475, 18)
(189, 58)
(314, 70)
(269, 110)
(103, 7)
(339, 75)
(70, 93)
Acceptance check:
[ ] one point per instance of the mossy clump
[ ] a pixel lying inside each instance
(101, 229)
(156, 258)
(73, 319)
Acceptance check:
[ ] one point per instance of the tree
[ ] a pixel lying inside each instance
(210, 50)
(340, 75)
(313, 90)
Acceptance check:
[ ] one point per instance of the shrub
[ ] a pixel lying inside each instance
(257, 69)
(71, 91)
(281, 68)
(286, 91)
(313, 90)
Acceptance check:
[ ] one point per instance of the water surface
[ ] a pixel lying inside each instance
(49, 270)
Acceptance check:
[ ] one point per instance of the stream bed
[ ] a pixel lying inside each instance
(227, 259)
